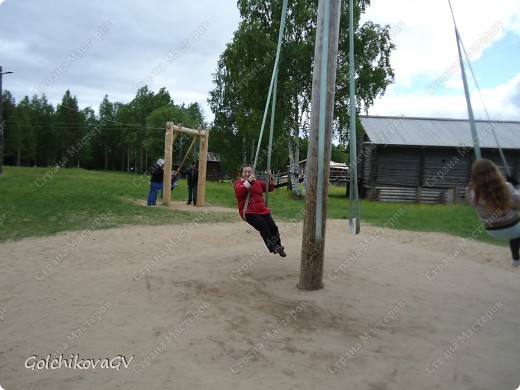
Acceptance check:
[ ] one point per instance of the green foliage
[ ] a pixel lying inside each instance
(155, 125)
(20, 140)
(68, 130)
(120, 137)
(244, 70)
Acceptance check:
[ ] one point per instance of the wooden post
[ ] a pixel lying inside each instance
(168, 148)
(203, 161)
(311, 270)
(187, 130)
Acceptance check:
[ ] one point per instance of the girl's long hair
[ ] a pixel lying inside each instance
(489, 185)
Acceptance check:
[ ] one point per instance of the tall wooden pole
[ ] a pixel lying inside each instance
(168, 149)
(311, 270)
(203, 162)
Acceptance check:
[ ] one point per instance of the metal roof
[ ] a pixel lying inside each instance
(213, 157)
(439, 132)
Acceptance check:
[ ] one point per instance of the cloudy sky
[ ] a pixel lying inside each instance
(113, 47)
(428, 82)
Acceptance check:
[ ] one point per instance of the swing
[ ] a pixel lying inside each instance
(354, 208)
(172, 131)
(510, 232)
(272, 90)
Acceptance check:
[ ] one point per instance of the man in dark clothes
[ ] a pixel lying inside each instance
(192, 174)
(156, 182)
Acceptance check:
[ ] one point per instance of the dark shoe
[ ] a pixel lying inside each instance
(188, 203)
(280, 250)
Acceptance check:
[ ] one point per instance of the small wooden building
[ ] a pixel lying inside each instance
(428, 160)
(213, 171)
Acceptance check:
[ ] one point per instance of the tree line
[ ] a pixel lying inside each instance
(121, 136)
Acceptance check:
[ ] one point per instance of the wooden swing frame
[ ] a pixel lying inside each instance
(172, 131)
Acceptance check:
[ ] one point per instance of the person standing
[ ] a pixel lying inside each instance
(496, 202)
(192, 175)
(156, 182)
(257, 214)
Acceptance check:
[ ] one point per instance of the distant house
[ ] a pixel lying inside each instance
(213, 167)
(428, 160)
(338, 172)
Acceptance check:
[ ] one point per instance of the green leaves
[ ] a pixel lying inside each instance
(120, 137)
(245, 67)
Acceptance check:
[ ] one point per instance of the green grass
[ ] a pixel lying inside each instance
(45, 201)
(457, 219)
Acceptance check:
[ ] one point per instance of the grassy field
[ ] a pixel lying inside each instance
(45, 201)
(40, 202)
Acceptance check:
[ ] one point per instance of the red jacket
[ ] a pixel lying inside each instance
(256, 200)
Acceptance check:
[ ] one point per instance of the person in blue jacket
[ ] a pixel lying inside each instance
(156, 182)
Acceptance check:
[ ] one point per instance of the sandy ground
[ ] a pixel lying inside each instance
(203, 306)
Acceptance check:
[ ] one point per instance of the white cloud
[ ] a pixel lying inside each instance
(427, 53)
(504, 99)
(501, 101)
(140, 36)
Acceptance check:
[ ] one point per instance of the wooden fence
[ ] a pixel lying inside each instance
(419, 195)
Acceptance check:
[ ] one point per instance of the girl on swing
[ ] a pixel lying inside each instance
(496, 202)
(257, 213)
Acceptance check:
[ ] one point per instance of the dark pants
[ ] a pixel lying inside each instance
(514, 244)
(267, 227)
(192, 194)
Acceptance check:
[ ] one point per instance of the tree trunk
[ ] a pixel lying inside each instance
(294, 163)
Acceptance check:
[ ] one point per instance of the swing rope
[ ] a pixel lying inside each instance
(474, 133)
(270, 148)
(181, 165)
(501, 153)
(473, 127)
(272, 87)
(354, 220)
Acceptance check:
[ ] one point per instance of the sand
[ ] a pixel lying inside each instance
(204, 306)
